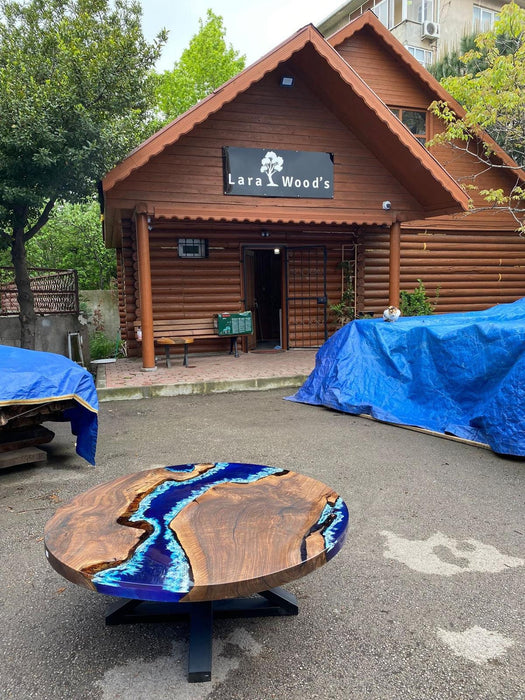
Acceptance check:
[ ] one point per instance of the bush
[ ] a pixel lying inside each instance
(417, 303)
(101, 347)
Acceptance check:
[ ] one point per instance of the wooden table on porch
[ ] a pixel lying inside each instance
(190, 540)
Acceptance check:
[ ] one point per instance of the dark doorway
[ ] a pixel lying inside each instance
(267, 282)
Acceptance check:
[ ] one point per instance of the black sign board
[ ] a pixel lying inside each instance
(263, 172)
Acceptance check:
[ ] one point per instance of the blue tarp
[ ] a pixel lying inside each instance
(461, 374)
(31, 377)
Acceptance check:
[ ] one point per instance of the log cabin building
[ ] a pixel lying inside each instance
(265, 194)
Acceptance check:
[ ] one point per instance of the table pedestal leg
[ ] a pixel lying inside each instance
(275, 601)
(199, 658)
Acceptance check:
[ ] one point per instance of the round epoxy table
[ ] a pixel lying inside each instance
(191, 540)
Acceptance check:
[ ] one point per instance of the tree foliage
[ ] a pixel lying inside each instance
(452, 63)
(72, 239)
(205, 65)
(494, 101)
(75, 84)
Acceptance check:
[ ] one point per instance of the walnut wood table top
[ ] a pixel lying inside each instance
(197, 532)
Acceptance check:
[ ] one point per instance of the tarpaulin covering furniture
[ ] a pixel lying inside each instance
(32, 378)
(460, 374)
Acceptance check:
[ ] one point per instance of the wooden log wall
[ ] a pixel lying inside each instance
(472, 270)
(476, 260)
(193, 288)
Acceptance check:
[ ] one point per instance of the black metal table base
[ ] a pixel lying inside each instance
(275, 601)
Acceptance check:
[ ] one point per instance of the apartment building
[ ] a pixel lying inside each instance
(426, 28)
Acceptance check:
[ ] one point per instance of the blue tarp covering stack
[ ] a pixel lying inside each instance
(31, 377)
(461, 374)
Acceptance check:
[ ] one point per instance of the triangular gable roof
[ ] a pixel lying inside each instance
(369, 20)
(406, 158)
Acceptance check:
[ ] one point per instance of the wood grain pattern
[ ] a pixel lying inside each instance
(264, 530)
(206, 532)
(472, 272)
(93, 531)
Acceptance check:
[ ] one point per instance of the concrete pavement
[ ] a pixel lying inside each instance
(424, 602)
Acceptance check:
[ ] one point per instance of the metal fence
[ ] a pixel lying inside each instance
(55, 291)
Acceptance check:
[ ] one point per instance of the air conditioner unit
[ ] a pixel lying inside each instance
(430, 30)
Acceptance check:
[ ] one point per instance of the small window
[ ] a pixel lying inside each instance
(193, 248)
(422, 55)
(414, 120)
(483, 19)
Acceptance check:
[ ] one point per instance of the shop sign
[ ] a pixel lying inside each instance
(262, 172)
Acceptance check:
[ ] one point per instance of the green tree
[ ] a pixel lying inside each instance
(494, 101)
(75, 86)
(72, 239)
(452, 63)
(470, 58)
(205, 65)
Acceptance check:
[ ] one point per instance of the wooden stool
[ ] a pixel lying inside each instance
(168, 342)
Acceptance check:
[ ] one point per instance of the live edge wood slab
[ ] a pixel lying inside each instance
(197, 533)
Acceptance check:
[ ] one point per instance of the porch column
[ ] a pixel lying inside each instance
(394, 264)
(146, 304)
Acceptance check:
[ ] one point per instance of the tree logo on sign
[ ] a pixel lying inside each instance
(271, 164)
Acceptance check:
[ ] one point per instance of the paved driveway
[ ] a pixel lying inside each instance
(425, 600)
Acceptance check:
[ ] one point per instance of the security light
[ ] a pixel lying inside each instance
(287, 81)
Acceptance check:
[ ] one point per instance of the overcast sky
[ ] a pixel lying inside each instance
(254, 27)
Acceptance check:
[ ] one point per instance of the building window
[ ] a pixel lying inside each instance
(422, 55)
(393, 12)
(414, 120)
(381, 12)
(483, 19)
(419, 10)
(426, 12)
(193, 248)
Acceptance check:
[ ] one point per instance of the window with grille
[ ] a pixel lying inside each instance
(193, 248)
